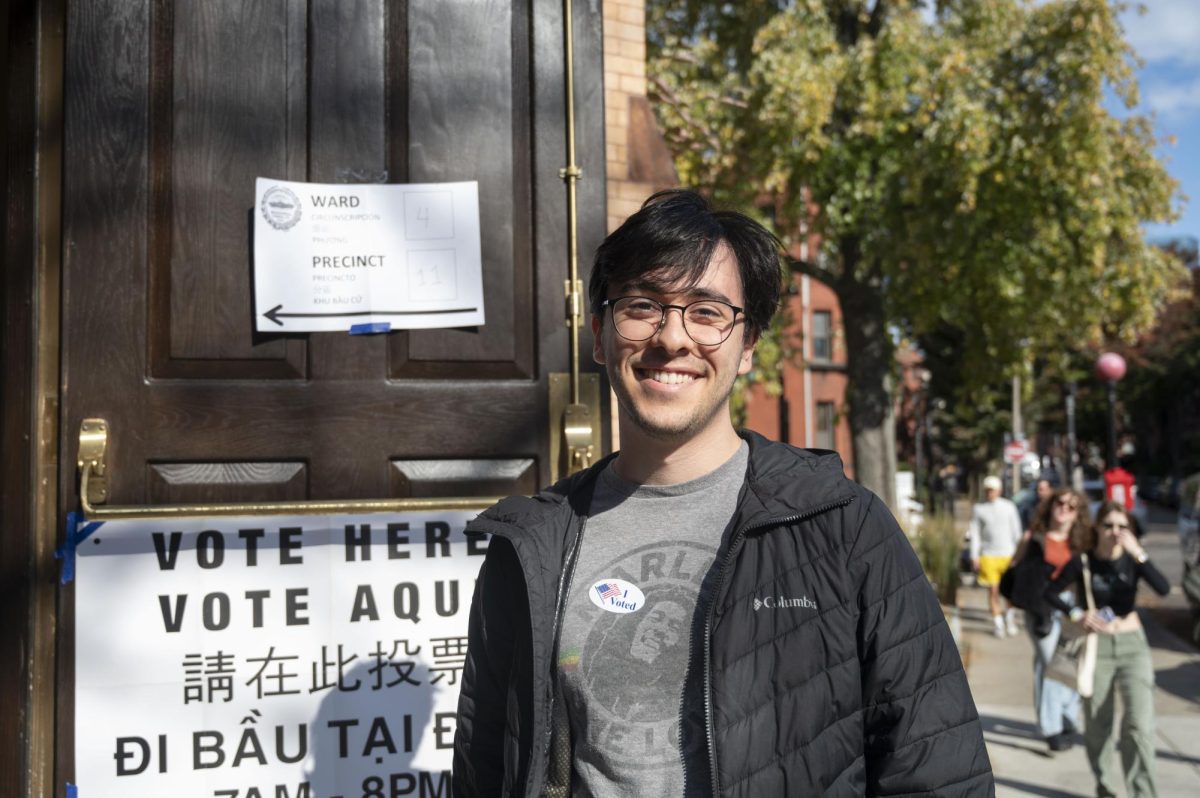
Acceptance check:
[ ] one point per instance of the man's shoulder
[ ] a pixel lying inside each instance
(527, 514)
(812, 482)
(776, 462)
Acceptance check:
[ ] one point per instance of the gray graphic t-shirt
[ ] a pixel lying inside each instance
(630, 636)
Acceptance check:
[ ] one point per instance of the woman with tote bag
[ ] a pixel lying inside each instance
(1105, 578)
(1056, 535)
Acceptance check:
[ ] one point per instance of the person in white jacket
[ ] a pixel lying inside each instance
(994, 534)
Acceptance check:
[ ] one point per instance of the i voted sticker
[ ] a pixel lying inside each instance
(617, 595)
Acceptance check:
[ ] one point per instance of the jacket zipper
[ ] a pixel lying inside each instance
(564, 588)
(734, 544)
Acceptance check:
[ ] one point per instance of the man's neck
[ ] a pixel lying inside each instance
(646, 460)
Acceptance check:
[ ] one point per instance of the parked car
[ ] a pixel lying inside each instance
(1159, 490)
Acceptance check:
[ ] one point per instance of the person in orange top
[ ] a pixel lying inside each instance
(1059, 528)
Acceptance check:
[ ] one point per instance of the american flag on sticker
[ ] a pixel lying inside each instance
(607, 590)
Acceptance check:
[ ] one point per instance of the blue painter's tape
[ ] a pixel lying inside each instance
(371, 329)
(72, 790)
(76, 533)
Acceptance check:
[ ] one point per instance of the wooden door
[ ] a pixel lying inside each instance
(173, 108)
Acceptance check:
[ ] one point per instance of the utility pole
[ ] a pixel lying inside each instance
(1069, 477)
(1016, 429)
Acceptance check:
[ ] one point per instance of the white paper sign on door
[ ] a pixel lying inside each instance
(328, 257)
(304, 657)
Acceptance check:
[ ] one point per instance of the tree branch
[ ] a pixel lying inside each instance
(878, 16)
(663, 93)
(812, 269)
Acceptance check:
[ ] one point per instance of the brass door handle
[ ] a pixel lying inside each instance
(574, 423)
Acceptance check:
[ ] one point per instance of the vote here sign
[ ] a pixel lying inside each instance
(296, 656)
(331, 256)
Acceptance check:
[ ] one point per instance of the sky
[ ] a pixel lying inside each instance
(1167, 38)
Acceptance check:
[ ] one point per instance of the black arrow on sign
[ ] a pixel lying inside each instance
(274, 315)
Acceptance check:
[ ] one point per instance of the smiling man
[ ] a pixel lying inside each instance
(704, 612)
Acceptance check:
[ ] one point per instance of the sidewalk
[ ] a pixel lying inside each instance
(1001, 675)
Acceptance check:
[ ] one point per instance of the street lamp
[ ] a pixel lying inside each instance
(1110, 367)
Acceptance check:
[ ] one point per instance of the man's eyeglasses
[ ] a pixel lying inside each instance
(708, 322)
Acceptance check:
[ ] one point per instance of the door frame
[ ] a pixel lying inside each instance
(31, 48)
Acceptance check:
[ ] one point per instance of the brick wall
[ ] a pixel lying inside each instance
(637, 157)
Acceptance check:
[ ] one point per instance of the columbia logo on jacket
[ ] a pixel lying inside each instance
(780, 603)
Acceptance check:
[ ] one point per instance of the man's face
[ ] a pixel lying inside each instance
(991, 494)
(668, 386)
(1044, 489)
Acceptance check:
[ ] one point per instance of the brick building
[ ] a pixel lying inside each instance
(811, 410)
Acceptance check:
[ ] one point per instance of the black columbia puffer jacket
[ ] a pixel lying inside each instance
(865, 696)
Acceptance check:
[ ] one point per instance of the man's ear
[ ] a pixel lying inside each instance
(746, 362)
(597, 344)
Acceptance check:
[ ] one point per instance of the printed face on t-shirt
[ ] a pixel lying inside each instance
(661, 629)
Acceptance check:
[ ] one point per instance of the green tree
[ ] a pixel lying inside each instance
(1161, 394)
(960, 168)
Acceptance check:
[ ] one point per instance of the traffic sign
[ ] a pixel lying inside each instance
(1015, 451)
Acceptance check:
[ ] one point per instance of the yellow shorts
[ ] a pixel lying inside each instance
(991, 568)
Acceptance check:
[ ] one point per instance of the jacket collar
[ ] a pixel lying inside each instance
(781, 482)
(784, 482)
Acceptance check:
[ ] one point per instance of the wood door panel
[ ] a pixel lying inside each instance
(206, 133)
(466, 477)
(347, 442)
(192, 483)
(220, 131)
(469, 119)
(348, 126)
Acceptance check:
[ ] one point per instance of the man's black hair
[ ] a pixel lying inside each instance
(672, 239)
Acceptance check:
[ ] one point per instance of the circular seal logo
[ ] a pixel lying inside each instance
(617, 595)
(281, 207)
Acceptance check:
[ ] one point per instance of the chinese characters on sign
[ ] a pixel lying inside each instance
(315, 657)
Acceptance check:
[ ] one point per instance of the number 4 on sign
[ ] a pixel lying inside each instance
(423, 215)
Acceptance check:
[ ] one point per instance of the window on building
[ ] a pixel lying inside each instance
(825, 425)
(822, 335)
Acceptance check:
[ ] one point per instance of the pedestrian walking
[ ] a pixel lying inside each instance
(1116, 563)
(1042, 490)
(705, 612)
(1058, 532)
(994, 533)
(949, 479)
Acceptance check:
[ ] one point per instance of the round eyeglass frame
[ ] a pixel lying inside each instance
(611, 303)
